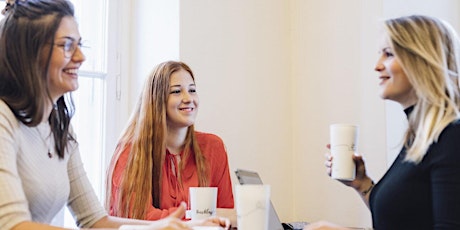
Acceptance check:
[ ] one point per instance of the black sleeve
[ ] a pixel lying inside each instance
(445, 179)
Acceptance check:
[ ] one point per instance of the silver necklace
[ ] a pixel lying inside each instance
(46, 141)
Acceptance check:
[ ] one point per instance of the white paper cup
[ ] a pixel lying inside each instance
(203, 201)
(344, 140)
(252, 206)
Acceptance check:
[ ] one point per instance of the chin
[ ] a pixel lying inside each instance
(187, 124)
(383, 95)
(71, 87)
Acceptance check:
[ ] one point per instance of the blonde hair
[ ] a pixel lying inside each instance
(146, 135)
(428, 50)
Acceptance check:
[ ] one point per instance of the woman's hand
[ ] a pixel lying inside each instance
(211, 221)
(322, 225)
(361, 177)
(173, 221)
(229, 213)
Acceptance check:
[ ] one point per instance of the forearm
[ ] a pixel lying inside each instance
(365, 190)
(106, 223)
(116, 222)
(27, 225)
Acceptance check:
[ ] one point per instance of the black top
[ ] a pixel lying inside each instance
(424, 195)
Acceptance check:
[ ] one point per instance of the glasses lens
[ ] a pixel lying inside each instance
(69, 48)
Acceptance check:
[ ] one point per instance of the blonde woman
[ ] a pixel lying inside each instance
(160, 155)
(418, 68)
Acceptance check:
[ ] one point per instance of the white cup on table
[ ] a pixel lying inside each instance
(203, 202)
(252, 206)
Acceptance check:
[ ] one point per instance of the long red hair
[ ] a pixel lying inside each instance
(146, 134)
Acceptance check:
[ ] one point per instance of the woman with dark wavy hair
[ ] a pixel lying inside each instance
(40, 165)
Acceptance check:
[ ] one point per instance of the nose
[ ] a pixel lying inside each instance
(379, 66)
(78, 55)
(186, 97)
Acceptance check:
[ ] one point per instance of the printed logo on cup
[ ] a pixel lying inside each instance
(203, 201)
(206, 211)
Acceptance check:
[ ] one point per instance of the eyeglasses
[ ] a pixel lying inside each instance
(69, 46)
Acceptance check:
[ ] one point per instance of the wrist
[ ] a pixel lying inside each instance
(364, 190)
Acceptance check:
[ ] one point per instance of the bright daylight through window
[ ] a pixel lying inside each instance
(89, 99)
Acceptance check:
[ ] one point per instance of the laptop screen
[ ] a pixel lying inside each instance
(248, 177)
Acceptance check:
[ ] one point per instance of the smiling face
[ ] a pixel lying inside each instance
(63, 67)
(182, 103)
(394, 84)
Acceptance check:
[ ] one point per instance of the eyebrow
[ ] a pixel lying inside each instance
(386, 48)
(69, 37)
(181, 85)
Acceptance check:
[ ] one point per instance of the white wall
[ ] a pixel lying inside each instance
(156, 26)
(240, 52)
(272, 75)
(334, 54)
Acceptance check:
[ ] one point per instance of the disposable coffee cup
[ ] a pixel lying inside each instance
(203, 201)
(343, 141)
(252, 206)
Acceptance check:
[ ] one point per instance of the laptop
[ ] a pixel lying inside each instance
(274, 223)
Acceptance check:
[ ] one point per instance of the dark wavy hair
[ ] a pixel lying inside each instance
(25, 31)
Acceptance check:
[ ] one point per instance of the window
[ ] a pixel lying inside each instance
(90, 99)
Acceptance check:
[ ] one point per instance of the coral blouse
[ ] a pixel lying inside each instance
(172, 194)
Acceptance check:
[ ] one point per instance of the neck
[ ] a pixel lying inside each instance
(175, 140)
(47, 111)
(409, 101)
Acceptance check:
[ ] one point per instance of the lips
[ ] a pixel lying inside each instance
(71, 71)
(187, 109)
(383, 79)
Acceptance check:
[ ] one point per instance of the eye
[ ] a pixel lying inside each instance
(67, 45)
(176, 91)
(192, 90)
(388, 54)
